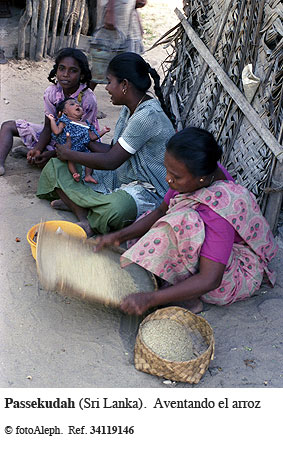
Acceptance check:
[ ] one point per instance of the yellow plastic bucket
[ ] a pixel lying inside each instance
(66, 226)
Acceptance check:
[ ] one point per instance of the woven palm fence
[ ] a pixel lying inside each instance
(211, 46)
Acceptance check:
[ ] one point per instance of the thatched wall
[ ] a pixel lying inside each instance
(235, 33)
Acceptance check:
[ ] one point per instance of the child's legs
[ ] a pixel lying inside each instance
(7, 132)
(88, 176)
(72, 167)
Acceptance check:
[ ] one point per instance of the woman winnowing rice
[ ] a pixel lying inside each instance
(208, 239)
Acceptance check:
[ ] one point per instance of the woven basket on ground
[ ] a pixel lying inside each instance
(188, 371)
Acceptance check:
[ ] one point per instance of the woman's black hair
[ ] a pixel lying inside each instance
(131, 66)
(197, 149)
(77, 55)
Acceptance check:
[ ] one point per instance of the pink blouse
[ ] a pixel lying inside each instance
(219, 233)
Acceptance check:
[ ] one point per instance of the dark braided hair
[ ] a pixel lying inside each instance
(197, 149)
(131, 66)
(77, 55)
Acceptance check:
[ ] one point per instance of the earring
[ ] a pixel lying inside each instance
(170, 181)
(201, 180)
(124, 91)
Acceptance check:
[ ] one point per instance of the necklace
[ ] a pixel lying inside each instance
(140, 101)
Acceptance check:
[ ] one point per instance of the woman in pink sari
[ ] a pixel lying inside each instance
(208, 239)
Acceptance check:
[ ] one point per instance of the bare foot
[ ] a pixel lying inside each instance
(2, 170)
(19, 152)
(58, 204)
(86, 227)
(194, 305)
(76, 177)
(90, 179)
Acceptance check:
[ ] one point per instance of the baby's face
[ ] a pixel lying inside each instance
(73, 108)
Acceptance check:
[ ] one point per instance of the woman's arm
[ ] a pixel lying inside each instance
(102, 148)
(112, 159)
(43, 141)
(135, 230)
(207, 279)
(109, 18)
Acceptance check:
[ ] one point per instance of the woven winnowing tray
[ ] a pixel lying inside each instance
(70, 266)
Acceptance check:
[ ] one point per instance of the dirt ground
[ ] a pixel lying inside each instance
(54, 341)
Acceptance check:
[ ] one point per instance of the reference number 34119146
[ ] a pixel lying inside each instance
(112, 429)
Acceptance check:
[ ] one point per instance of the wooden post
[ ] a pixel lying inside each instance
(41, 31)
(78, 25)
(274, 200)
(33, 29)
(23, 22)
(67, 13)
(45, 50)
(54, 28)
(73, 7)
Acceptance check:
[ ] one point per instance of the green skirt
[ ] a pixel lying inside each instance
(107, 212)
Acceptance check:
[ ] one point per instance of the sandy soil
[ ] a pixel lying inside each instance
(52, 341)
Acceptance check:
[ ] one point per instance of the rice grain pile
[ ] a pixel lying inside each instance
(168, 339)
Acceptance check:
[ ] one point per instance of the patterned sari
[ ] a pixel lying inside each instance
(171, 248)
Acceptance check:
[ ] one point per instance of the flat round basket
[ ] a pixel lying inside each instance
(201, 335)
(70, 266)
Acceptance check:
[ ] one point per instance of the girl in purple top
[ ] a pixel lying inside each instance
(70, 77)
(208, 238)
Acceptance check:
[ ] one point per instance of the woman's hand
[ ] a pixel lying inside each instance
(35, 156)
(63, 150)
(106, 240)
(141, 3)
(41, 159)
(32, 155)
(109, 18)
(138, 303)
